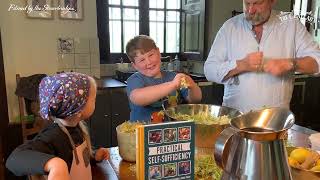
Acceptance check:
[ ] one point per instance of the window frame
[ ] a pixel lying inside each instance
(106, 57)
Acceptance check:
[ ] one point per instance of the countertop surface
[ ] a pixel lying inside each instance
(116, 168)
(109, 82)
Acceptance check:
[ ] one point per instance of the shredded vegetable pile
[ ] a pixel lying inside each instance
(129, 127)
(203, 118)
(184, 84)
(206, 168)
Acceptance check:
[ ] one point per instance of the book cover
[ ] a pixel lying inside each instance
(165, 151)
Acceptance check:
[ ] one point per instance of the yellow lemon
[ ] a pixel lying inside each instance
(293, 162)
(316, 168)
(299, 154)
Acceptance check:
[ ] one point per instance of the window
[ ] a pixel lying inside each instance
(123, 23)
(121, 20)
(164, 16)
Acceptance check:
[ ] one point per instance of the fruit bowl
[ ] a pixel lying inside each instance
(299, 156)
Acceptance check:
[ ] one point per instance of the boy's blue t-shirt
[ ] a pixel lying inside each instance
(138, 80)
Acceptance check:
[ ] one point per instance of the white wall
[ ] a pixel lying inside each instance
(220, 11)
(30, 45)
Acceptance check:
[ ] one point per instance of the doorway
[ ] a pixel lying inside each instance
(4, 118)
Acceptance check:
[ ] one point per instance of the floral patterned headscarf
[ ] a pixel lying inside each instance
(63, 95)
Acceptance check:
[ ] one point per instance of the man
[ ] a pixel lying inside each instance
(255, 55)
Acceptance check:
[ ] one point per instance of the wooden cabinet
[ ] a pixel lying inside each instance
(297, 104)
(120, 111)
(305, 102)
(312, 103)
(100, 121)
(112, 109)
(212, 93)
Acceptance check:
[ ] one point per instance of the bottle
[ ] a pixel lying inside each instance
(176, 63)
(170, 65)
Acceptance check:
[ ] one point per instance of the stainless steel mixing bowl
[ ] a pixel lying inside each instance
(208, 109)
(205, 135)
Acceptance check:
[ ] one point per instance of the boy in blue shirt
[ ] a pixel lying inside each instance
(150, 87)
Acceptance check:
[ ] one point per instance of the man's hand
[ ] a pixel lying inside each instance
(252, 62)
(278, 67)
(57, 169)
(102, 154)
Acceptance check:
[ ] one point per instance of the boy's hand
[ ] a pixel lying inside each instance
(102, 154)
(180, 80)
(189, 81)
(57, 168)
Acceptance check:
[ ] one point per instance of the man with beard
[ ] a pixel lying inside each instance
(255, 55)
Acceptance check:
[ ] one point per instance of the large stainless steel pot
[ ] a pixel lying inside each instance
(205, 134)
(253, 147)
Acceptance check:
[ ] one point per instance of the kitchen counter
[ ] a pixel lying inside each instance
(116, 168)
(109, 82)
(124, 75)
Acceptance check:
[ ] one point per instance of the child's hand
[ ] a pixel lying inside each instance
(57, 168)
(183, 81)
(189, 81)
(101, 154)
(178, 79)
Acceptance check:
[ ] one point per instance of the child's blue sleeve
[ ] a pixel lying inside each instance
(134, 82)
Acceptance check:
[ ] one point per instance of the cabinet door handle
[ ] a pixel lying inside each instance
(106, 115)
(116, 114)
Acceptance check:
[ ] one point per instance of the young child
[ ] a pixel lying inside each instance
(150, 87)
(63, 149)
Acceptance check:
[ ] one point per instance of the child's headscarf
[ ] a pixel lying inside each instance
(63, 95)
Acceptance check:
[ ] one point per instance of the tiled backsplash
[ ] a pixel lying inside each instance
(79, 55)
(197, 67)
(108, 69)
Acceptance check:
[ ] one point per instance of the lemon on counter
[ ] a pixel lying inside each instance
(315, 168)
(293, 162)
(299, 154)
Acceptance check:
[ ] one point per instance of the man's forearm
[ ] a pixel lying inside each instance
(237, 70)
(306, 65)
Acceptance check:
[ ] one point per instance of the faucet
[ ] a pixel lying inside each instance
(121, 60)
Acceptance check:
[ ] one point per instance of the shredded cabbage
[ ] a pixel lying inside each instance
(206, 168)
(129, 127)
(203, 118)
(184, 84)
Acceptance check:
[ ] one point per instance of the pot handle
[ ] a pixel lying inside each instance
(222, 146)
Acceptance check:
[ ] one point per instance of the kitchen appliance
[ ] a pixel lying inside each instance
(253, 147)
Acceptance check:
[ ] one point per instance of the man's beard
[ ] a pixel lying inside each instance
(256, 19)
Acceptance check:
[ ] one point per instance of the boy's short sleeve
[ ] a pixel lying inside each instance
(134, 82)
